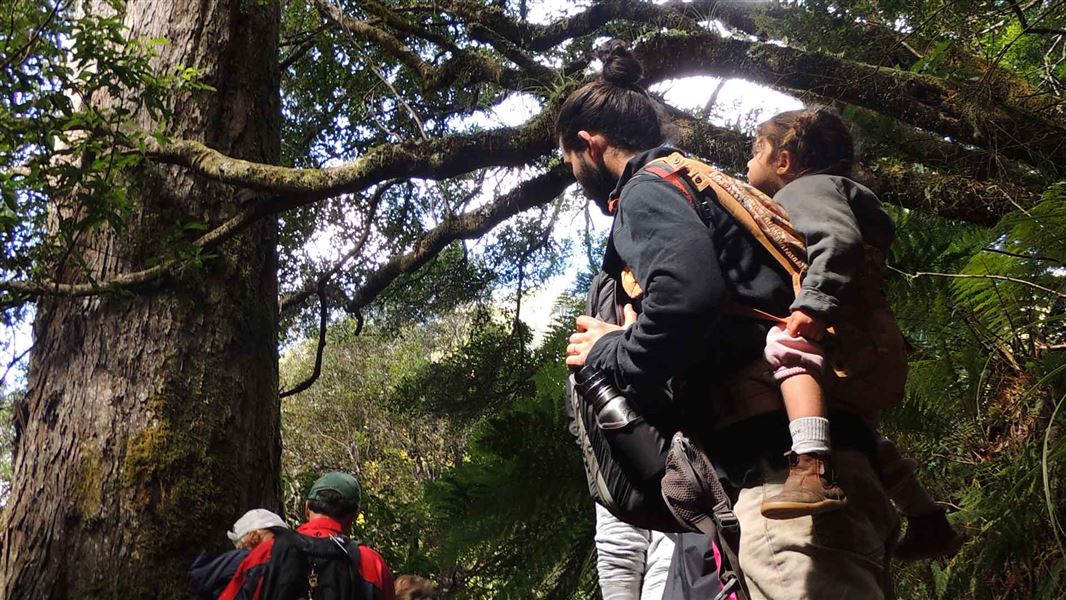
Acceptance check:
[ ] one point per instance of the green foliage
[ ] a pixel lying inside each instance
(458, 436)
(453, 278)
(489, 371)
(518, 513)
(7, 436)
(520, 517)
(988, 375)
(58, 145)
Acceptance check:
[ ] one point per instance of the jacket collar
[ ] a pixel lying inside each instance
(634, 165)
(321, 524)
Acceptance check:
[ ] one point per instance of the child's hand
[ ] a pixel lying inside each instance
(629, 315)
(802, 324)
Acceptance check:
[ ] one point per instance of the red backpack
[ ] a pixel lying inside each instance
(864, 350)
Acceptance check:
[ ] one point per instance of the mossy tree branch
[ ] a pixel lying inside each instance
(463, 67)
(438, 158)
(945, 193)
(926, 102)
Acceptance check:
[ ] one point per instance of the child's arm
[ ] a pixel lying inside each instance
(819, 209)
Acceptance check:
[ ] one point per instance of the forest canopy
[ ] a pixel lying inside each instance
(244, 242)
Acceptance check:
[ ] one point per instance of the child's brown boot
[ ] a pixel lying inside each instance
(810, 489)
(928, 536)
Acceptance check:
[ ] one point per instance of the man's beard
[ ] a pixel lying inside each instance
(597, 183)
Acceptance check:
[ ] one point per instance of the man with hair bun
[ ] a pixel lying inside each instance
(687, 270)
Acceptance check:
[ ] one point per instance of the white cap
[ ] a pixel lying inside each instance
(257, 518)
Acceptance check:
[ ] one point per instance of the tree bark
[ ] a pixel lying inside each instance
(151, 421)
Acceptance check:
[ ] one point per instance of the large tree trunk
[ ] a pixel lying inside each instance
(152, 420)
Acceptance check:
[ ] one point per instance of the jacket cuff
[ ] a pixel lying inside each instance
(816, 303)
(602, 353)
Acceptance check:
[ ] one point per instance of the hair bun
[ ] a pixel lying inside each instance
(620, 67)
(807, 122)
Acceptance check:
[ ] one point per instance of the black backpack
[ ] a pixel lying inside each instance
(306, 567)
(624, 466)
(644, 469)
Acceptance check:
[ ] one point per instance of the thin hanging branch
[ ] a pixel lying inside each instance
(381, 77)
(22, 53)
(14, 361)
(532, 249)
(323, 322)
(714, 96)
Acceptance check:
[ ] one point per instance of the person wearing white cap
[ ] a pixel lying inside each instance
(254, 527)
(211, 574)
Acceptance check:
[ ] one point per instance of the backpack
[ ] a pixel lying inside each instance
(864, 349)
(644, 470)
(624, 464)
(313, 568)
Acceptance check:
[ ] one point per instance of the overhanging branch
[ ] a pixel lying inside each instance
(323, 322)
(923, 101)
(463, 67)
(945, 194)
(437, 159)
(542, 189)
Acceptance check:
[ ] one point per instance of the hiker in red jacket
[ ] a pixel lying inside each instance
(332, 505)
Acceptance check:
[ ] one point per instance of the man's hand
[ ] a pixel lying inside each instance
(589, 330)
(808, 326)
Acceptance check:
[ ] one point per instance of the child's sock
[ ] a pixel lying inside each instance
(810, 435)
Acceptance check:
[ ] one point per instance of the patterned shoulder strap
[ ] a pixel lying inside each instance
(763, 218)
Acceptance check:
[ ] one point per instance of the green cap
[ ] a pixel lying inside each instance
(342, 483)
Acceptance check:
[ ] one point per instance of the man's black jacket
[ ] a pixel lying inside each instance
(688, 270)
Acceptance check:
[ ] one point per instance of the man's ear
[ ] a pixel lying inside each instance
(783, 163)
(595, 143)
